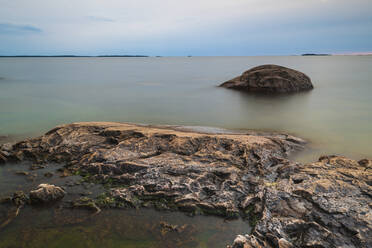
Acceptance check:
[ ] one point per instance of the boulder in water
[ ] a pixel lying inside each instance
(270, 79)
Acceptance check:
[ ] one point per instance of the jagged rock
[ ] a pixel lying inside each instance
(22, 173)
(46, 193)
(323, 204)
(86, 203)
(270, 79)
(149, 164)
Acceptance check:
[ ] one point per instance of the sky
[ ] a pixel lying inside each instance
(185, 27)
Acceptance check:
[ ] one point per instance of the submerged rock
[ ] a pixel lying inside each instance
(6, 147)
(19, 198)
(86, 203)
(46, 193)
(270, 79)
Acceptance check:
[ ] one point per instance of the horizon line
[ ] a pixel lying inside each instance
(144, 56)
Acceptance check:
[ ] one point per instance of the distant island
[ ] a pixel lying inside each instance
(70, 56)
(316, 54)
(121, 56)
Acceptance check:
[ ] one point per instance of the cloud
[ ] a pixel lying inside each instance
(100, 19)
(207, 27)
(9, 28)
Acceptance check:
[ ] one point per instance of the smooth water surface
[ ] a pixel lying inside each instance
(336, 117)
(47, 228)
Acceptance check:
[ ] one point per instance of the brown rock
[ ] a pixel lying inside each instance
(19, 198)
(46, 193)
(167, 167)
(270, 79)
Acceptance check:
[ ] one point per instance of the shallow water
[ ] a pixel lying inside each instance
(117, 228)
(38, 93)
(54, 227)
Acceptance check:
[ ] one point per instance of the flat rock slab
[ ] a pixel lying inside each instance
(270, 79)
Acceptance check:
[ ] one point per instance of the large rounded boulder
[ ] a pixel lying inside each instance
(270, 79)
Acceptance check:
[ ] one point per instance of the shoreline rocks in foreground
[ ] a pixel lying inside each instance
(321, 204)
(270, 79)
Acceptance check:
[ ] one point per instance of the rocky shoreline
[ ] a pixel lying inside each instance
(322, 204)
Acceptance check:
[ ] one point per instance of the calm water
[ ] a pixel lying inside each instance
(38, 93)
(117, 228)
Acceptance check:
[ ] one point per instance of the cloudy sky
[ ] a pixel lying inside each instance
(185, 27)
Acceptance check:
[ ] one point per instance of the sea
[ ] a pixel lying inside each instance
(36, 94)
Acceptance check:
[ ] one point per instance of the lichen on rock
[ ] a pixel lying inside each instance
(163, 167)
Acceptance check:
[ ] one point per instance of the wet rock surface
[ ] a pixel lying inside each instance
(270, 79)
(46, 193)
(322, 204)
(165, 168)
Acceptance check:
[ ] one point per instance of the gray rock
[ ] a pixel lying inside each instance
(194, 172)
(322, 204)
(270, 79)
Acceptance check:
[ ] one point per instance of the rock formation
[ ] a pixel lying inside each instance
(270, 79)
(322, 204)
(165, 168)
(46, 193)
